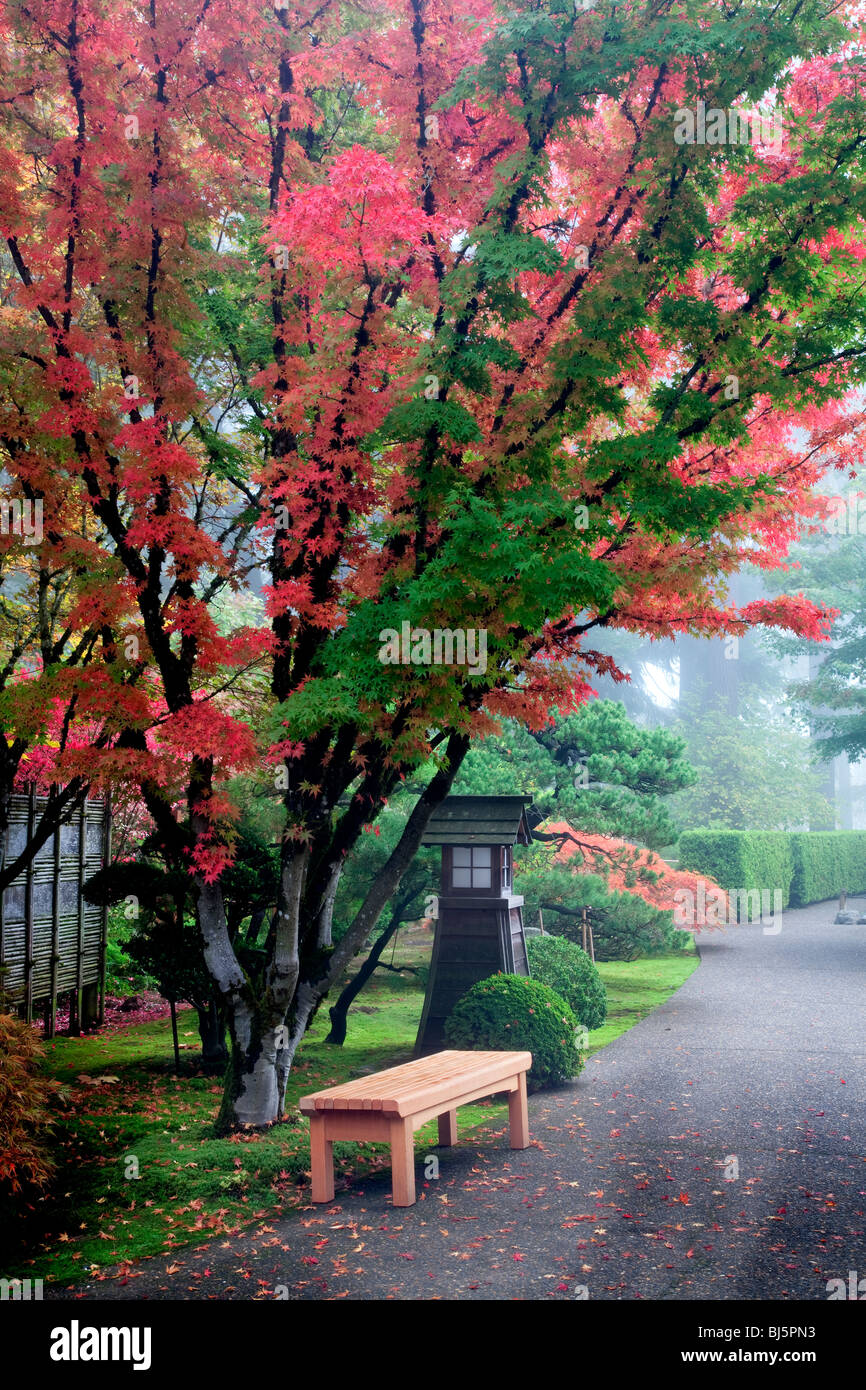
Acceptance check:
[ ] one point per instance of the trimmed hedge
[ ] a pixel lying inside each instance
(740, 858)
(809, 866)
(827, 863)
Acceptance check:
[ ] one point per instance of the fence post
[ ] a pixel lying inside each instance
(55, 933)
(28, 911)
(103, 945)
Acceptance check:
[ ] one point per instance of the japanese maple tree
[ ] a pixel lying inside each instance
(423, 308)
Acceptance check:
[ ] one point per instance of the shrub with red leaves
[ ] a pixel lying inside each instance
(599, 854)
(25, 1116)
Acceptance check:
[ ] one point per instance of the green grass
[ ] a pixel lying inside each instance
(635, 988)
(191, 1186)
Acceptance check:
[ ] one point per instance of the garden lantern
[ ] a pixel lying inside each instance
(479, 926)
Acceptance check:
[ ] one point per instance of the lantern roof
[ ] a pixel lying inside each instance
(479, 820)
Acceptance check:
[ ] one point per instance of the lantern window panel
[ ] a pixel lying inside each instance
(471, 866)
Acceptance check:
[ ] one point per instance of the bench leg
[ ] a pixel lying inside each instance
(518, 1115)
(321, 1161)
(448, 1128)
(402, 1163)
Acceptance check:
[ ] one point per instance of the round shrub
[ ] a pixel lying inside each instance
(568, 969)
(508, 1013)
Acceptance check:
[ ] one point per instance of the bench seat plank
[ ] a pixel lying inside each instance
(390, 1105)
(415, 1086)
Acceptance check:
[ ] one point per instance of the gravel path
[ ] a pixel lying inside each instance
(717, 1150)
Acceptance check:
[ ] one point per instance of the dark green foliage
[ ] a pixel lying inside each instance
(740, 858)
(164, 942)
(601, 773)
(160, 942)
(625, 926)
(753, 763)
(511, 1014)
(566, 968)
(250, 882)
(808, 866)
(832, 570)
(417, 416)
(827, 863)
(368, 857)
(593, 768)
(170, 953)
(122, 976)
(146, 882)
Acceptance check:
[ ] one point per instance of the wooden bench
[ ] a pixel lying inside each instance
(392, 1104)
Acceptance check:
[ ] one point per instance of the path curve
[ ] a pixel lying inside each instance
(716, 1150)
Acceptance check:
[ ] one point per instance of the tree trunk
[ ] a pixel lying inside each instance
(173, 1007)
(844, 803)
(252, 1094)
(89, 1007)
(324, 915)
(311, 991)
(212, 1031)
(266, 1028)
(257, 917)
(339, 1011)
(822, 820)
